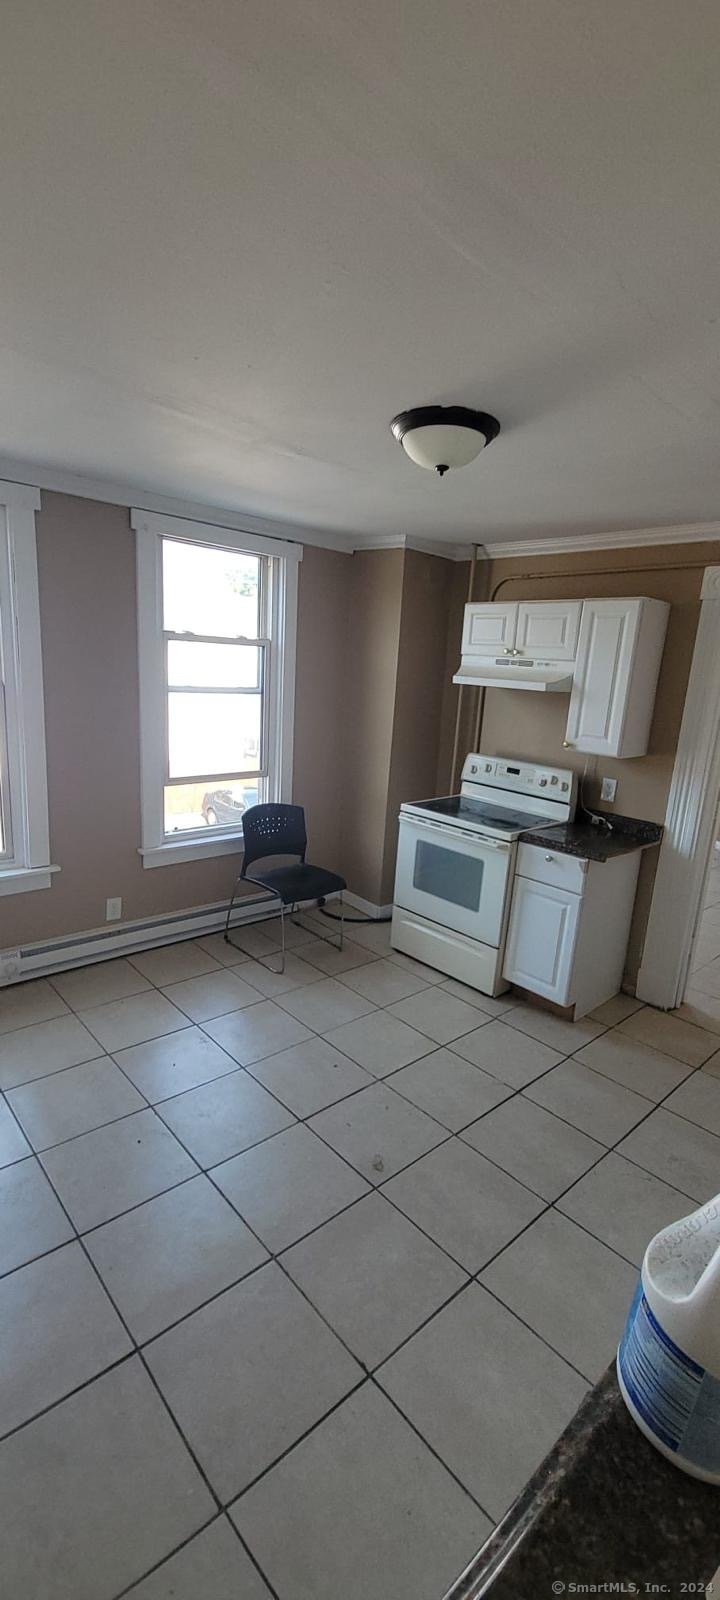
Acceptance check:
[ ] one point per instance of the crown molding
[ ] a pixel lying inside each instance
(134, 496)
(682, 533)
(409, 541)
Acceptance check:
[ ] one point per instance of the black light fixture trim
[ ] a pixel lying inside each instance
(445, 416)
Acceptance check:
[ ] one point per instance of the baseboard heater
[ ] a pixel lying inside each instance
(99, 944)
(40, 960)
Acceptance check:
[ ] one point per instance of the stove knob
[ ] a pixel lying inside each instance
(542, 783)
(563, 786)
(553, 780)
(473, 767)
(488, 766)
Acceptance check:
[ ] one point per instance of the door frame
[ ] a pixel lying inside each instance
(689, 820)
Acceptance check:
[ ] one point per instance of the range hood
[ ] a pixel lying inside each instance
(504, 672)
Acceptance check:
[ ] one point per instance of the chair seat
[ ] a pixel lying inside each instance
(299, 882)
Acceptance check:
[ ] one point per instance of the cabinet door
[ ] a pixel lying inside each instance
(603, 675)
(549, 629)
(489, 629)
(541, 939)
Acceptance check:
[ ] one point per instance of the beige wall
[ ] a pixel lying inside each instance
(378, 641)
(320, 706)
(86, 566)
(419, 695)
(457, 596)
(372, 645)
(533, 726)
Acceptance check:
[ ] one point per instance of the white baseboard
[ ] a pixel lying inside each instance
(100, 944)
(368, 908)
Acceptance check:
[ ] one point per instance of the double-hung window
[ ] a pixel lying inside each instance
(24, 835)
(216, 624)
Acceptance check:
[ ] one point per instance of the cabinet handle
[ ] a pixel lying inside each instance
(507, 651)
(549, 858)
(568, 745)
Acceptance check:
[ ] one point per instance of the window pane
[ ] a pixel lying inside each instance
(448, 874)
(210, 590)
(213, 804)
(213, 666)
(213, 733)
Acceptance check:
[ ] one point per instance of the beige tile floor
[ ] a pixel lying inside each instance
(289, 1266)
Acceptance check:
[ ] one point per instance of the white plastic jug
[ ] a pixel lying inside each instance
(668, 1362)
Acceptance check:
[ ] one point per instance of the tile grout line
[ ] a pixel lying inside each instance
(137, 1350)
(221, 1516)
(375, 1188)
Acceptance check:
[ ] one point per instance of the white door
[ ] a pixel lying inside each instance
(549, 629)
(541, 939)
(455, 878)
(599, 696)
(489, 630)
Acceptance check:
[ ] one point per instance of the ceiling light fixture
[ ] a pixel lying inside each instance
(440, 437)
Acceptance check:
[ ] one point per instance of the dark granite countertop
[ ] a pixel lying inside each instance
(604, 1508)
(593, 843)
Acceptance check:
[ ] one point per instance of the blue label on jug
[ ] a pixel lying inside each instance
(677, 1399)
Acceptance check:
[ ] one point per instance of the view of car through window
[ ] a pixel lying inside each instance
(212, 605)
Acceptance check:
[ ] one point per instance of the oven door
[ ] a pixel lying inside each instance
(454, 877)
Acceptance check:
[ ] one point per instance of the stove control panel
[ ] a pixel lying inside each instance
(521, 777)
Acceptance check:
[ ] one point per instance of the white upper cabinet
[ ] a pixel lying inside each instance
(489, 629)
(618, 660)
(544, 628)
(607, 654)
(548, 629)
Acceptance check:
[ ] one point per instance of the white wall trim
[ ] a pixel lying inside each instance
(213, 533)
(690, 818)
(23, 473)
(555, 545)
(408, 541)
(120, 938)
(21, 669)
(279, 694)
(367, 907)
(27, 474)
(19, 880)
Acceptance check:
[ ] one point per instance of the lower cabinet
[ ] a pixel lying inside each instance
(541, 940)
(568, 944)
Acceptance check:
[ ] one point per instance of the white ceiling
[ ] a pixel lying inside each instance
(237, 236)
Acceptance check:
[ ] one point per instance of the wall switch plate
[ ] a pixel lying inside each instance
(113, 909)
(608, 790)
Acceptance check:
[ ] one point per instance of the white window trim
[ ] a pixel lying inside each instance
(29, 866)
(150, 527)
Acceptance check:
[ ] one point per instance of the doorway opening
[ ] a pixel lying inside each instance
(701, 1001)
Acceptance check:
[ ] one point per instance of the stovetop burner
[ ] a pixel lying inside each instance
(461, 808)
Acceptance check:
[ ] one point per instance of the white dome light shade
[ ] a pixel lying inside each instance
(440, 437)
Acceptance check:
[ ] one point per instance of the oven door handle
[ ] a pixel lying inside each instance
(452, 832)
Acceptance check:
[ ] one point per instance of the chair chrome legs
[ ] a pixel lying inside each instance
(235, 946)
(289, 909)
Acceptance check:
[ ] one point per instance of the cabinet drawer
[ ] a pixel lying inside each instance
(545, 865)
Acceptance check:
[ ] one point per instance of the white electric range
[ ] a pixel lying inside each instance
(456, 863)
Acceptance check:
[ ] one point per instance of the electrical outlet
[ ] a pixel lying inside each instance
(608, 789)
(113, 909)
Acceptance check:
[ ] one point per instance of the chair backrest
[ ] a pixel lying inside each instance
(273, 831)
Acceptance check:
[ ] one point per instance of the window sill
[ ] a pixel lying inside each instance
(18, 880)
(169, 854)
